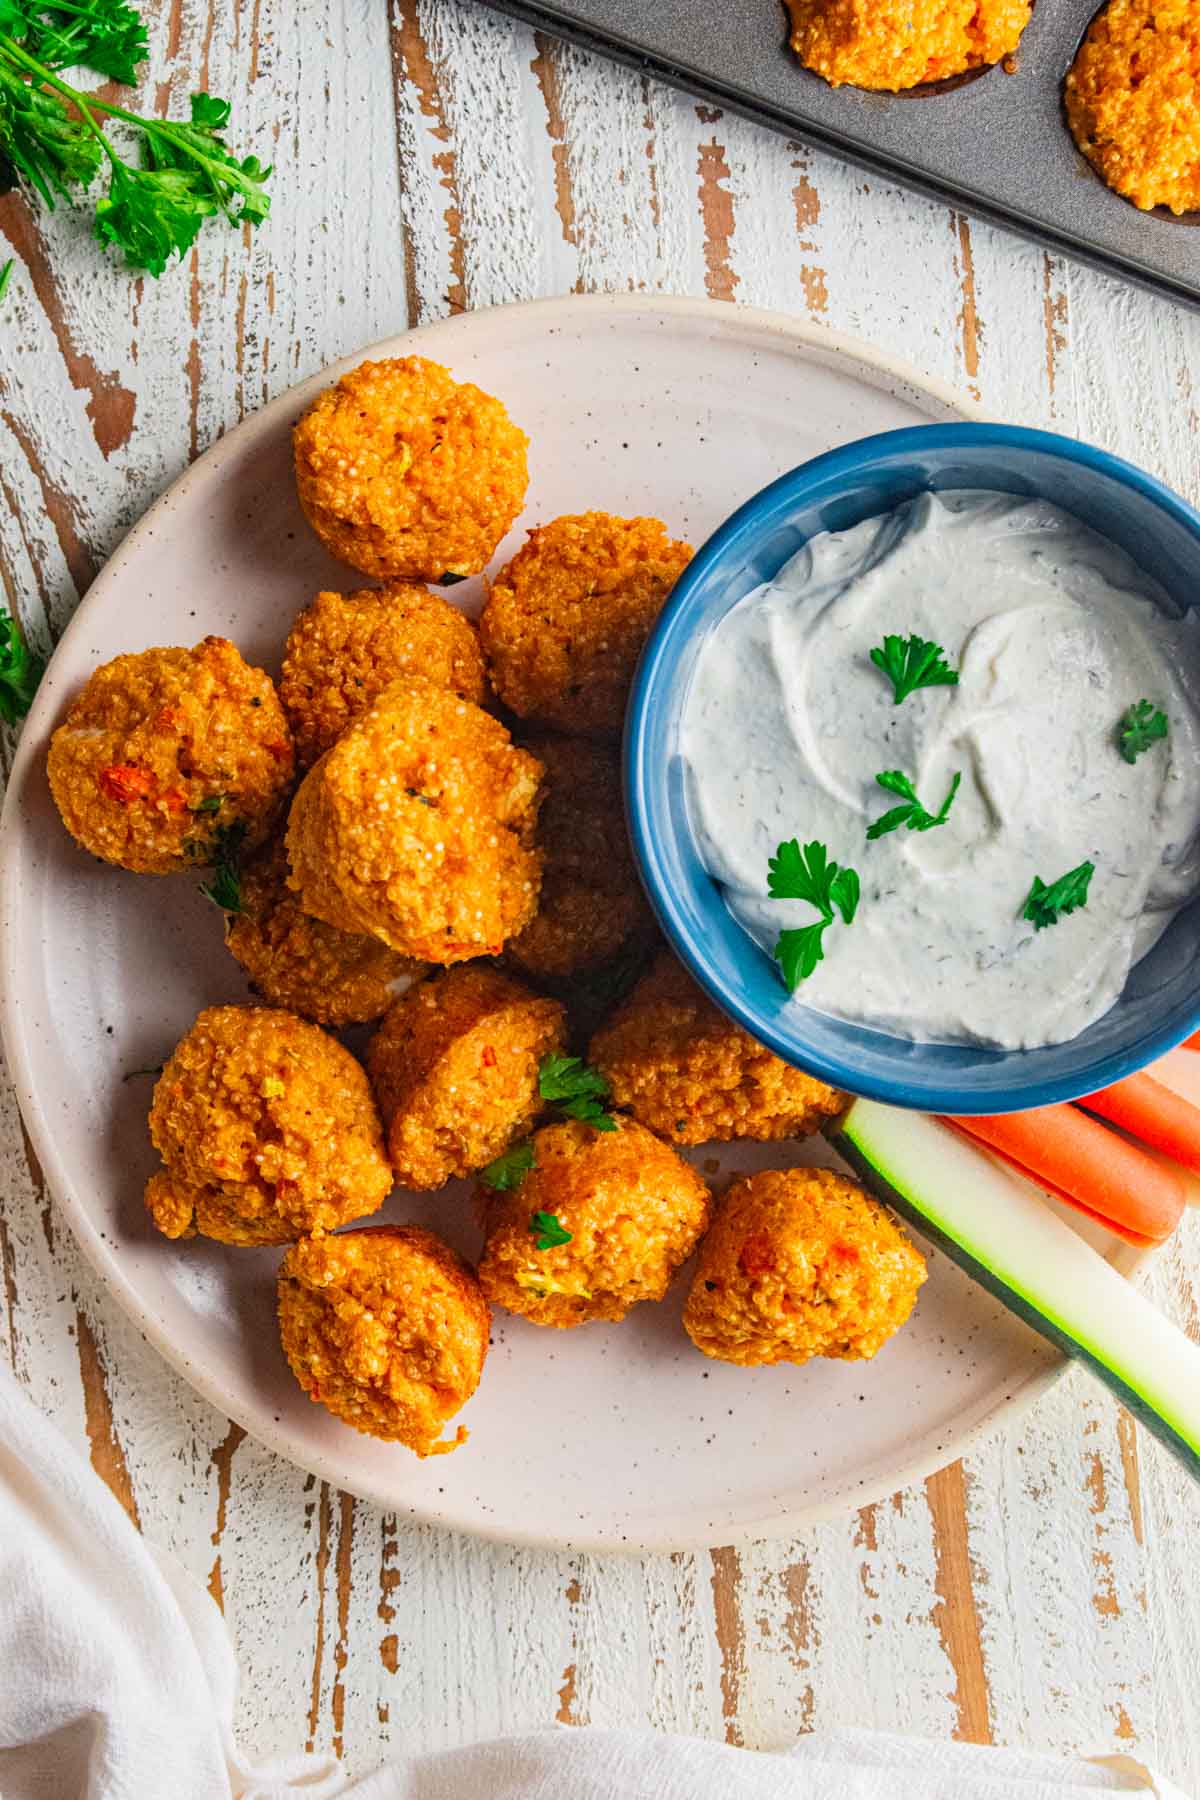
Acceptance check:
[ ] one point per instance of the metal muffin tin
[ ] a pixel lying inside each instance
(996, 144)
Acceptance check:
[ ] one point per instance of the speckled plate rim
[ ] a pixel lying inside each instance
(438, 340)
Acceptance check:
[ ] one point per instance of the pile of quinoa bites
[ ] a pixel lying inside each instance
(420, 828)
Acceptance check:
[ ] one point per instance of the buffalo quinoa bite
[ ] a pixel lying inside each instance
(344, 649)
(302, 964)
(386, 1327)
(566, 620)
(591, 907)
(897, 44)
(680, 1066)
(407, 474)
(168, 755)
(267, 1131)
(417, 828)
(454, 1067)
(1133, 101)
(632, 1211)
(800, 1263)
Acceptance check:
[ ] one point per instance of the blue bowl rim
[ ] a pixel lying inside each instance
(652, 684)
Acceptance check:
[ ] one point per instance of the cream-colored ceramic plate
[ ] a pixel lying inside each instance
(609, 1436)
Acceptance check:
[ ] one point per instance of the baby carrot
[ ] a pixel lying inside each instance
(1122, 1231)
(1149, 1110)
(1088, 1165)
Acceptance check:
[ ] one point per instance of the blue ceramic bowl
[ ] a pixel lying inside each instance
(1161, 1001)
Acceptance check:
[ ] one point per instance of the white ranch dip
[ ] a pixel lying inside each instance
(1055, 634)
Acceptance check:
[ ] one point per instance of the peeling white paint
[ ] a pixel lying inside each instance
(449, 187)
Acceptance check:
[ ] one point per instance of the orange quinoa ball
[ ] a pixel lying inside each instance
(303, 964)
(591, 905)
(388, 1328)
(455, 1071)
(565, 622)
(417, 828)
(1133, 101)
(692, 1075)
(800, 1263)
(344, 650)
(408, 474)
(895, 44)
(164, 753)
(267, 1129)
(634, 1210)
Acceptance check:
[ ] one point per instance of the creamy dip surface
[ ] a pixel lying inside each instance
(1054, 633)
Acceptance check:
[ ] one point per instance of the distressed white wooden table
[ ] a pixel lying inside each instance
(428, 160)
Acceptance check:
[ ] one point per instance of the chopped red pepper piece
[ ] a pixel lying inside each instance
(489, 1057)
(121, 781)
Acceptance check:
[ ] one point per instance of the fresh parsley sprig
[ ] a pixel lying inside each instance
(105, 35)
(1047, 905)
(911, 813)
(20, 671)
(575, 1090)
(508, 1170)
(51, 135)
(1141, 725)
(225, 888)
(549, 1230)
(911, 663)
(809, 874)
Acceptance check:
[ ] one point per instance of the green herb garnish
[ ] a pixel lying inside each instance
(808, 874)
(911, 663)
(225, 888)
(211, 804)
(451, 578)
(577, 1091)
(509, 1170)
(105, 35)
(1141, 726)
(6, 277)
(912, 813)
(20, 671)
(51, 136)
(550, 1232)
(1047, 905)
(798, 950)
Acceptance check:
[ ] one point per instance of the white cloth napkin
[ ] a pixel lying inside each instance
(117, 1682)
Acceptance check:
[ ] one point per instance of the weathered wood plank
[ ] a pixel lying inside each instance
(431, 156)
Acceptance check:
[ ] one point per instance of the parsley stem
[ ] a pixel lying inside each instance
(82, 102)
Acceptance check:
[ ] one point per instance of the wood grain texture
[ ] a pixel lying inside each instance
(431, 156)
